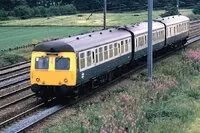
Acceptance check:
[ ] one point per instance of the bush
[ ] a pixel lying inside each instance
(3, 14)
(196, 10)
(8, 59)
(194, 17)
(68, 9)
(23, 12)
(54, 10)
(169, 11)
(43, 11)
(36, 11)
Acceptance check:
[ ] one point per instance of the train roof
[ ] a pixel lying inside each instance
(141, 28)
(173, 19)
(83, 42)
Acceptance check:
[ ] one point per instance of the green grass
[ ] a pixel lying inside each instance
(16, 36)
(171, 105)
(113, 19)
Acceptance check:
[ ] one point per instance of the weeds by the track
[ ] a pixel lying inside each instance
(169, 105)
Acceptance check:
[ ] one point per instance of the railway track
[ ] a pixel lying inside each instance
(17, 100)
(14, 69)
(43, 113)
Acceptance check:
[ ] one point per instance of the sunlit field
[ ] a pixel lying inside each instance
(16, 36)
(88, 19)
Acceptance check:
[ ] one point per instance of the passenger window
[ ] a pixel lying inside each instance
(122, 47)
(119, 48)
(174, 30)
(111, 51)
(89, 58)
(115, 49)
(126, 41)
(93, 57)
(105, 52)
(126, 47)
(136, 42)
(145, 39)
(100, 54)
(96, 53)
(82, 60)
(170, 31)
(177, 28)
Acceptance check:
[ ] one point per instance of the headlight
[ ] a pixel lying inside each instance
(65, 80)
(38, 79)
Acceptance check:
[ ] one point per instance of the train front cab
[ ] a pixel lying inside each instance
(53, 72)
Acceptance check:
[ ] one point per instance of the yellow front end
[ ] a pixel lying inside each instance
(53, 69)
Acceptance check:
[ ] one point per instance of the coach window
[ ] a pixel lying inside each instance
(100, 54)
(177, 29)
(111, 51)
(119, 48)
(122, 47)
(105, 52)
(126, 41)
(185, 26)
(82, 60)
(154, 37)
(126, 47)
(145, 39)
(89, 59)
(96, 55)
(115, 49)
(170, 31)
(174, 30)
(136, 42)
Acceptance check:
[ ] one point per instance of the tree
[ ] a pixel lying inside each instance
(170, 10)
(3, 14)
(23, 12)
(196, 10)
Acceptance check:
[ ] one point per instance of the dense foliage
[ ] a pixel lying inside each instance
(196, 10)
(37, 8)
(170, 10)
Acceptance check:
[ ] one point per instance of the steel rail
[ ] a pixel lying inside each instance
(20, 115)
(14, 76)
(14, 65)
(14, 81)
(16, 101)
(14, 92)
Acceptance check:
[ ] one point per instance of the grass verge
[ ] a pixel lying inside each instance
(171, 104)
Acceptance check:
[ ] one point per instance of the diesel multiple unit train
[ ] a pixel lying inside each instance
(60, 66)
